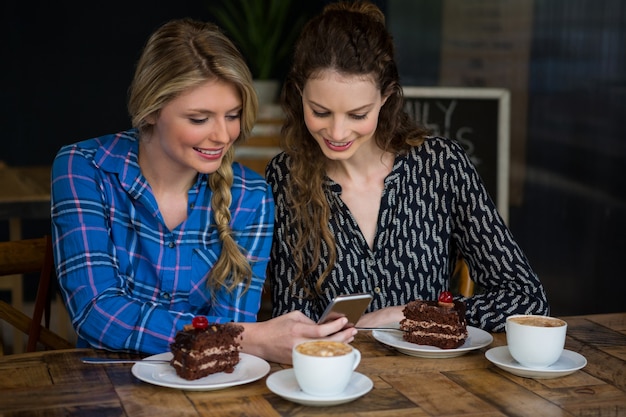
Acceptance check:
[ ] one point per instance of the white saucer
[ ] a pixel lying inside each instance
(284, 383)
(568, 363)
(250, 368)
(477, 338)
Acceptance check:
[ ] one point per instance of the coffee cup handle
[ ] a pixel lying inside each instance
(357, 358)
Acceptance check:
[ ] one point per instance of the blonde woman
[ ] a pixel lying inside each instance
(156, 225)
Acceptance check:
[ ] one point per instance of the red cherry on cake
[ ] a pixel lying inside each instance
(200, 322)
(446, 297)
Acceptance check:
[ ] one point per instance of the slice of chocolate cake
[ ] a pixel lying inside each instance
(435, 323)
(203, 348)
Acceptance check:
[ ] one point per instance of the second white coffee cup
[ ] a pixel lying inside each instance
(535, 341)
(324, 368)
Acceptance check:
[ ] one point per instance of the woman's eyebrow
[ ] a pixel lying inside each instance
(364, 107)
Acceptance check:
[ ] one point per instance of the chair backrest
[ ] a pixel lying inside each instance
(22, 256)
(461, 278)
(29, 256)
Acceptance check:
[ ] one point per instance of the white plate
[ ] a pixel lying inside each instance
(477, 338)
(250, 368)
(568, 363)
(284, 383)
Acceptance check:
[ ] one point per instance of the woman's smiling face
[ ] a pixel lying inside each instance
(341, 112)
(195, 129)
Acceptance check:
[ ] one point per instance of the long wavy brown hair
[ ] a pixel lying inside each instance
(181, 55)
(350, 38)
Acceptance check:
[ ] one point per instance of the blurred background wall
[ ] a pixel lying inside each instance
(66, 68)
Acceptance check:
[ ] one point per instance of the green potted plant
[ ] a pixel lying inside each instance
(264, 31)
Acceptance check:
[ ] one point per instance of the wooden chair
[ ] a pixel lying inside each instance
(461, 276)
(29, 256)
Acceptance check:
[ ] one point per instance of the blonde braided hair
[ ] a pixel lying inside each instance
(231, 260)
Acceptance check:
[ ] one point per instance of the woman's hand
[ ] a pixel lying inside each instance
(274, 339)
(382, 317)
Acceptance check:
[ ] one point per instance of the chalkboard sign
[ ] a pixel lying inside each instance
(478, 119)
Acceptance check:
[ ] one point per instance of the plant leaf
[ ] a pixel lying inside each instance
(260, 29)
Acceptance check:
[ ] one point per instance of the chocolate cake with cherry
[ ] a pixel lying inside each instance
(435, 323)
(204, 348)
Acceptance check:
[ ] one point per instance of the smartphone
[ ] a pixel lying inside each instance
(351, 306)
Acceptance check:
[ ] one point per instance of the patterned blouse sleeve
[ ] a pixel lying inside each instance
(505, 280)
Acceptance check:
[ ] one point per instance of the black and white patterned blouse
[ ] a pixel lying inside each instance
(433, 205)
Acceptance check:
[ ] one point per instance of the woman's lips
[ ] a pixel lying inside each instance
(338, 146)
(210, 153)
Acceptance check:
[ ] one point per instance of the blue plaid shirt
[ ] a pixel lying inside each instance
(128, 282)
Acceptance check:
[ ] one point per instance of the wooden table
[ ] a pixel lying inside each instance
(57, 383)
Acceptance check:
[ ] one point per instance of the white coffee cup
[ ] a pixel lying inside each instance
(324, 368)
(535, 341)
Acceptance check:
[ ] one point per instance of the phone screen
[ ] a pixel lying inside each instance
(351, 306)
